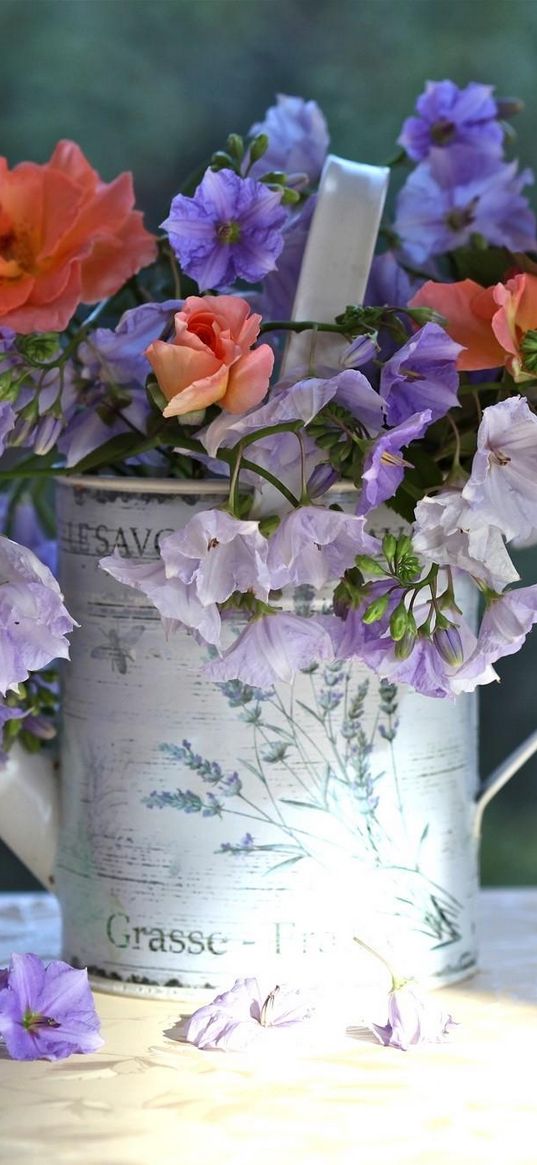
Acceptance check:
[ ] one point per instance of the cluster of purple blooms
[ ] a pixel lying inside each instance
(390, 602)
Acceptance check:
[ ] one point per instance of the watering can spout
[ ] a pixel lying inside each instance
(29, 811)
(502, 774)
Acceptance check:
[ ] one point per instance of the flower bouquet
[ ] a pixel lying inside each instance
(422, 403)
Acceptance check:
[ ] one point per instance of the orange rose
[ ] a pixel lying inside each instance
(209, 358)
(66, 238)
(490, 322)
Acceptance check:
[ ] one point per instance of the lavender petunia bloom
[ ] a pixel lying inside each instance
(421, 375)
(231, 229)
(273, 648)
(384, 465)
(216, 554)
(448, 115)
(503, 481)
(506, 623)
(313, 545)
(276, 298)
(47, 1012)
(389, 285)
(448, 531)
(176, 602)
(118, 355)
(457, 194)
(240, 1018)
(33, 620)
(7, 421)
(413, 1019)
(298, 138)
(429, 667)
(97, 417)
(302, 401)
(26, 529)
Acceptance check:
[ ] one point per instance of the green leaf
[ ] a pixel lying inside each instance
(485, 266)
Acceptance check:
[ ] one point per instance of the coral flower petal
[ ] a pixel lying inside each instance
(468, 309)
(248, 380)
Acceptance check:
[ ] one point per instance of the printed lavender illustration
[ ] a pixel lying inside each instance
(311, 791)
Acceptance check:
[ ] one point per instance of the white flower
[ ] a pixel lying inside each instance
(503, 481)
(450, 532)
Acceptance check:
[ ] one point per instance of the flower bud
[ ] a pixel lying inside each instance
(46, 434)
(509, 106)
(258, 147)
(389, 546)
(370, 565)
(235, 146)
(528, 348)
(405, 646)
(41, 347)
(448, 644)
(375, 610)
(399, 622)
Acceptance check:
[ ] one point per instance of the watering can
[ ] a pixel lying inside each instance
(208, 831)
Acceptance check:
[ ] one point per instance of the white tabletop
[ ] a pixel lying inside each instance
(147, 1099)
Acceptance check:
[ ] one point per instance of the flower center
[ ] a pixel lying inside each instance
(33, 1019)
(392, 458)
(212, 544)
(15, 247)
(411, 374)
(442, 131)
(528, 347)
(499, 457)
(267, 1009)
(228, 233)
(461, 216)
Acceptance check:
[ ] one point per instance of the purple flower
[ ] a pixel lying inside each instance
(33, 620)
(7, 421)
(413, 1019)
(275, 301)
(457, 194)
(388, 284)
(240, 1017)
(231, 229)
(97, 416)
(503, 481)
(298, 138)
(216, 554)
(117, 356)
(421, 375)
(448, 531)
(447, 116)
(384, 465)
(177, 603)
(273, 648)
(27, 529)
(506, 623)
(47, 1012)
(313, 545)
(302, 401)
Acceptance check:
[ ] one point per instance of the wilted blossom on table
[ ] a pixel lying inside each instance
(447, 115)
(209, 360)
(384, 464)
(422, 374)
(313, 545)
(46, 1012)
(274, 647)
(413, 1019)
(503, 481)
(240, 1018)
(448, 531)
(231, 229)
(455, 195)
(298, 139)
(33, 620)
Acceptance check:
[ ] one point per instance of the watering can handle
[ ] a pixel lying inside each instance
(337, 259)
(502, 774)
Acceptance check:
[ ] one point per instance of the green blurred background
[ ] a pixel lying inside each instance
(156, 85)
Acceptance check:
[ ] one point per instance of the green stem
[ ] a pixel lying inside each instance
(301, 326)
(371, 951)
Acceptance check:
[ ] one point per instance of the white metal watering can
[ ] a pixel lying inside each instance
(213, 831)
